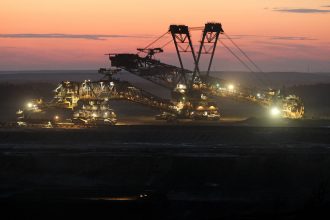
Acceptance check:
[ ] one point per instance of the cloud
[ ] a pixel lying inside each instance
(288, 38)
(291, 38)
(2, 47)
(302, 10)
(72, 36)
(281, 44)
(325, 6)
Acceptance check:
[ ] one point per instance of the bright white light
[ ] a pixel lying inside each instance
(258, 95)
(231, 87)
(19, 112)
(29, 105)
(94, 115)
(56, 117)
(275, 111)
(181, 86)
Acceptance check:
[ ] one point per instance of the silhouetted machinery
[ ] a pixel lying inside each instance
(193, 92)
(191, 85)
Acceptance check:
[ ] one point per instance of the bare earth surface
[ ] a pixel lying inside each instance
(166, 172)
(243, 167)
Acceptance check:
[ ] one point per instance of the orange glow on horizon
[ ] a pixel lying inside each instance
(138, 21)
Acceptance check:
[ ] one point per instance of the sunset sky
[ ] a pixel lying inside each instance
(279, 35)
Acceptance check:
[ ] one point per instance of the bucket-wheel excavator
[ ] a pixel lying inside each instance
(193, 91)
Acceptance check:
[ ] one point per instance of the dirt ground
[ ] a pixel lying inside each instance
(167, 172)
